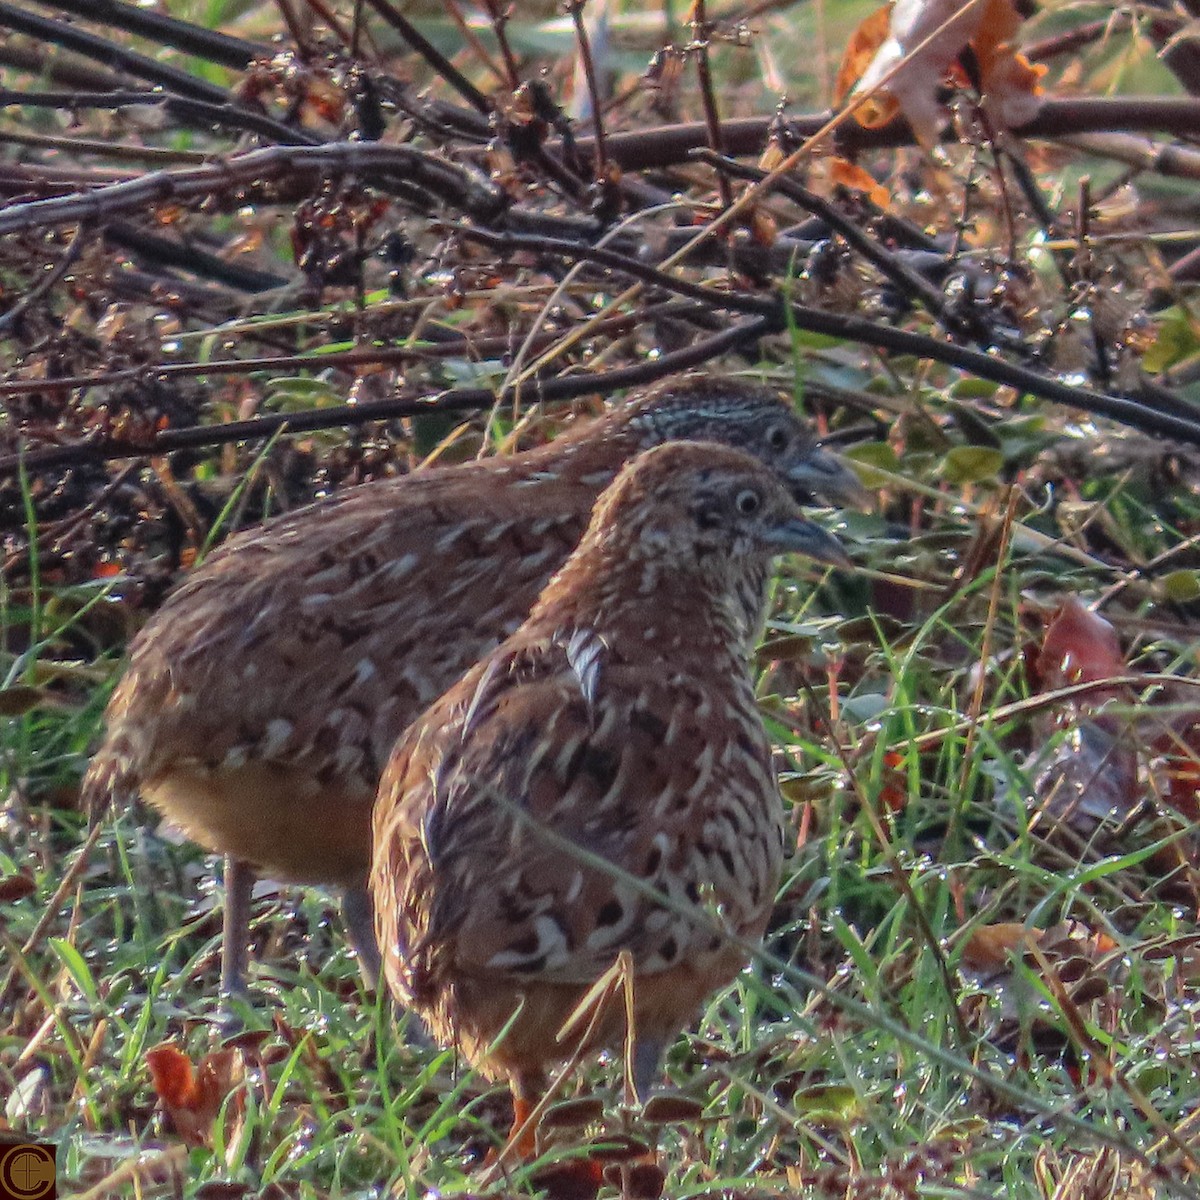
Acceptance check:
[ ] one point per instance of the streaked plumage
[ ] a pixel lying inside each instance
(262, 699)
(611, 744)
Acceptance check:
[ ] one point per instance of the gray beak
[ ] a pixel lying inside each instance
(799, 536)
(824, 476)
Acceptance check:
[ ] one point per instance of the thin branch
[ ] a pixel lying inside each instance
(220, 48)
(59, 67)
(498, 15)
(1126, 411)
(196, 114)
(567, 387)
(60, 33)
(48, 281)
(910, 282)
(432, 55)
(701, 30)
(575, 8)
(253, 171)
(670, 145)
(475, 348)
(170, 252)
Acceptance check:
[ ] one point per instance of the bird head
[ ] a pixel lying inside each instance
(708, 506)
(756, 419)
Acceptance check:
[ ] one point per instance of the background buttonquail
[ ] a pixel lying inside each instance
(262, 700)
(617, 725)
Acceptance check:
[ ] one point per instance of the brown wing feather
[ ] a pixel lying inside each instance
(635, 779)
(356, 616)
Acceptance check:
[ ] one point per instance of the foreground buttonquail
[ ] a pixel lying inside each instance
(263, 698)
(617, 726)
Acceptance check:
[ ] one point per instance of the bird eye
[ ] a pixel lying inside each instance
(777, 437)
(747, 503)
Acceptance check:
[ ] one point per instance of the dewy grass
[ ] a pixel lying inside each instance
(836, 1052)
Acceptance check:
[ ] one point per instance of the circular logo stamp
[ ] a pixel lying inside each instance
(27, 1172)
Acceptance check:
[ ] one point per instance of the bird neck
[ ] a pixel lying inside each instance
(645, 609)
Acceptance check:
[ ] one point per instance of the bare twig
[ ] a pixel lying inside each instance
(432, 55)
(208, 44)
(454, 400)
(575, 8)
(252, 171)
(60, 33)
(74, 248)
(670, 145)
(701, 31)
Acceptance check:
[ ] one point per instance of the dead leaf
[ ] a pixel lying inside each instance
(1091, 776)
(192, 1095)
(862, 47)
(989, 946)
(854, 177)
(919, 54)
(16, 887)
(1080, 646)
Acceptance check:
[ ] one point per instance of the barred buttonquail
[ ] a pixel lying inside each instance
(615, 734)
(262, 699)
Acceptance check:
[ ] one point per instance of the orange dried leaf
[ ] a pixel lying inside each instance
(862, 47)
(990, 946)
(172, 1075)
(771, 157)
(1013, 90)
(893, 795)
(192, 1095)
(921, 51)
(851, 176)
(764, 229)
(998, 25)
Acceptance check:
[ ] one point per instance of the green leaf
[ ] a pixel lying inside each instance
(828, 1099)
(973, 389)
(77, 968)
(972, 464)
(1181, 587)
(873, 454)
(1178, 338)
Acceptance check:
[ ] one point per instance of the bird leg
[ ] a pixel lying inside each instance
(235, 933)
(527, 1092)
(359, 915)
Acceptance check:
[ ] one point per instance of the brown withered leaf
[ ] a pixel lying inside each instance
(1080, 646)
(1092, 776)
(1082, 962)
(920, 51)
(192, 1094)
(16, 887)
(852, 176)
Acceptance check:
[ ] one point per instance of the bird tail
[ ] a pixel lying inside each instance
(111, 776)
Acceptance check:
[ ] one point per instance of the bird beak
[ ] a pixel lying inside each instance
(799, 536)
(825, 476)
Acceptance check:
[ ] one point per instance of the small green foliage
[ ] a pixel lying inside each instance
(1178, 338)
(972, 464)
(1181, 587)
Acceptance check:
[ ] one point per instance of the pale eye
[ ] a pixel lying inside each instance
(747, 503)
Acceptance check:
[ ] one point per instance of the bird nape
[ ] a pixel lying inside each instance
(599, 783)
